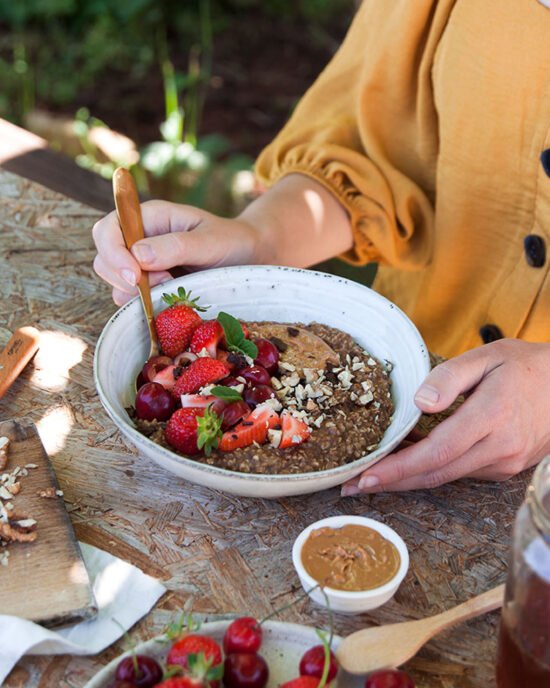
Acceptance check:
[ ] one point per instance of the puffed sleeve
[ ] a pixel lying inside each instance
(367, 130)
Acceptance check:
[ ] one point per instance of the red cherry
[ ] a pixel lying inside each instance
(258, 394)
(153, 365)
(268, 355)
(313, 663)
(243, 635)
(233, 413)
(153, 402)
(389, 678)
(245, 670)
(149, 671)
(255, 375)
(231, 381)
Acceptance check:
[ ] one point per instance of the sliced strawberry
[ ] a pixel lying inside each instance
(165, 377)
(203, 371)
(294, 430)
(202, 401)
(251, 429)
(207, 336)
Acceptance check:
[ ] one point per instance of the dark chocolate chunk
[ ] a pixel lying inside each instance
(292, 331)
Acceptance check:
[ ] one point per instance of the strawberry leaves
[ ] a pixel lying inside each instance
(209, 431)
(234, 336)
(226, 393)
(183, 298)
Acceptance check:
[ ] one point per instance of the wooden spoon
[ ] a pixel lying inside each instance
(16, 354)
(131, 223)
(382, 647)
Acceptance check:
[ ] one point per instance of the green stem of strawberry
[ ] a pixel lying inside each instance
(326, 665)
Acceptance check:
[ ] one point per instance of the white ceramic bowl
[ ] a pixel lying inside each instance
(278, 294)
(341, 600)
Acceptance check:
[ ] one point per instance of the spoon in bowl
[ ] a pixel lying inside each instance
(131, 223)
(390, 646)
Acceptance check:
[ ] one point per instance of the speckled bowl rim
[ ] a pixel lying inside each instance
(132, 432)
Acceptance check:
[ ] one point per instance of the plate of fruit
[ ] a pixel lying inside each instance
(241, 653)
(270, 381)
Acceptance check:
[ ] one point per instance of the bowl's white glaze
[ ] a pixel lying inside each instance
(279, 294)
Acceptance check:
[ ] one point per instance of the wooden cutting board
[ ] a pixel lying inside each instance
(46, 580)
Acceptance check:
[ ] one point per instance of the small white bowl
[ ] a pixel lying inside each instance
(341, 600)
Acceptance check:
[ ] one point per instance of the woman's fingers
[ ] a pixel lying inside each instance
(120, 297)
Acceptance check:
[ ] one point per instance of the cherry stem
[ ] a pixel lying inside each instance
(289, 605)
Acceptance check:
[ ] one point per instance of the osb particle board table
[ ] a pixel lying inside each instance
(230, 554)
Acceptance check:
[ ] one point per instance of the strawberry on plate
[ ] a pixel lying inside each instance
(253, 428)
(207, 336)
(175, 325)
(204, 371)
(192, 430)
(294, 431)
(302, 682)
(194, 644)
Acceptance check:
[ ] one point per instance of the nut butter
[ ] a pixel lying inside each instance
(351, 558)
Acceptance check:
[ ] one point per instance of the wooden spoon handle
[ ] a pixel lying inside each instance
(19, 350)
(481, 604)
(131, 223)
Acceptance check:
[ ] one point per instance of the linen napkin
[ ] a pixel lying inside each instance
(123, 593)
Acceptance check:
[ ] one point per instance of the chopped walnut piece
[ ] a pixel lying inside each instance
(4, 446)
(47, 493)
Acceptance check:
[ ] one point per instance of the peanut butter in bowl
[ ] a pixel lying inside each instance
(350, 563)
(351, 558)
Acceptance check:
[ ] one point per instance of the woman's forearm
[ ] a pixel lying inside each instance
(299, 223)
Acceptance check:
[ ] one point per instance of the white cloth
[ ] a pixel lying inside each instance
(123, 593)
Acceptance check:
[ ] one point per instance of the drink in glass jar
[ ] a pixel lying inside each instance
(523, 658)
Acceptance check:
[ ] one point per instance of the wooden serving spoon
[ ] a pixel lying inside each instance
(16, 354)
(383, 647)
(131, 223)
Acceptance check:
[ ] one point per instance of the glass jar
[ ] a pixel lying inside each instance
(523, 657)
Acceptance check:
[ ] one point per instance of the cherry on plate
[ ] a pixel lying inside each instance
(245, 670)
(242, 635)
(255, 375)
(258, 394)
(140, 671)
(389, 678)
(268, 355)
(313, 663)
(153, 402)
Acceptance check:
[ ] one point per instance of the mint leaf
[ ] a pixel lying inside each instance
(249, 348)
(226, 393)
(234, 336)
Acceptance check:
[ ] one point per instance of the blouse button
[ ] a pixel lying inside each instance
(535, 250)
(545, 160)
(490, 333)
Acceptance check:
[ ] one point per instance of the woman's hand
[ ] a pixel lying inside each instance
(502, 427)
(175, 235)
(297, 222)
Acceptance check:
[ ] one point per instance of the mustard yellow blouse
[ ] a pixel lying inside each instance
(432, 126)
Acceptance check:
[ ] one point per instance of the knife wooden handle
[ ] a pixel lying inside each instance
(17, 353)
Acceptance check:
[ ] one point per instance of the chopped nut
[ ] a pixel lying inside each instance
(47, 493)
(287, 366)
(291, 380)
(364, 399)
(276, 383)
(274, 437)
(310, 375)
(345, 378)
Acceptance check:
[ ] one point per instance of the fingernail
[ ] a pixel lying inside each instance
(144, 253)
(427, 395)
(129, 276)
(349, 490)
(368, 481)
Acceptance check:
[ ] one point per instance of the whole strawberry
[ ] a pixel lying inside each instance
(302, 682)
(176, 324)
(203, 371)
(192, 430)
